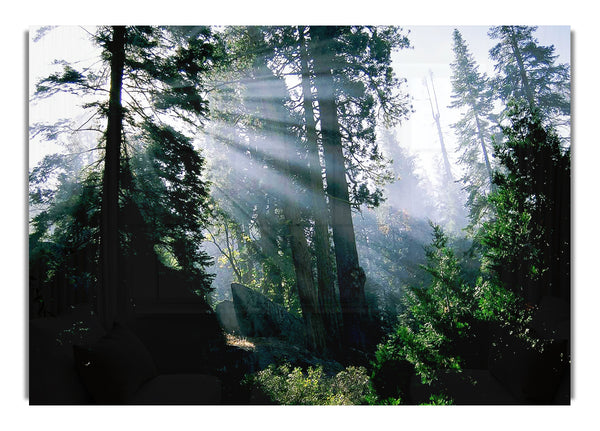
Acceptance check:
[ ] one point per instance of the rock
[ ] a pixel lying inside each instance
(226, 314)
(257, 316)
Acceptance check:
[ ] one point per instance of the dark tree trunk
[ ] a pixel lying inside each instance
(522, 72)
(315, 330)
(325, 281)
(485, 153)
(112, 300)
(276, 121)
(351, 279)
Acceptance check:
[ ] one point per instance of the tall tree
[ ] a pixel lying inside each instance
(153, 71)
(471, 93)
(328, 300)
(353, 78)
(528, 71)
(113, 299)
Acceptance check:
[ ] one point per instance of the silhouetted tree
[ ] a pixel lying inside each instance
(528, 242)
(152, 71)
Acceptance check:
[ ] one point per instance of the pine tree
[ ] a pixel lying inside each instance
(528, 71)
(166, 65)
(353, 78)
(528, 242)
(473, 96)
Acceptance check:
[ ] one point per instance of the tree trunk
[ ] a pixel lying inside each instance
(521, 65)
(315, 328)
(436, 117)
(350, 276)
(325, 281)
(275, 128)
(112, 300)
(485, 154)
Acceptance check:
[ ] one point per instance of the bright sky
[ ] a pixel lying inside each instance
(69, 43)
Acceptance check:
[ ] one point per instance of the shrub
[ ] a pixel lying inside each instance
(287, 386)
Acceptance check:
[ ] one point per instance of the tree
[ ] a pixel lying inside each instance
(528, 71)
(328, 300)
(160, 71)
(439, 317)
(353, 79)
(528, 242)
(472, 94)
(114, 299)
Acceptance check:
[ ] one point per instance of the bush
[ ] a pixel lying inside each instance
(287, 386)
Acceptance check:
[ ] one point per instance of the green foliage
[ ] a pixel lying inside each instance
(527, 245)
(391, 373)
(438, 400)
(437, 317)
(287, 386)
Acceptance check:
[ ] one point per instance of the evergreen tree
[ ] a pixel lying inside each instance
(528, 242)
(528, 71)
(473, 96)
(166, 65)
(353, 78)
(439, 317)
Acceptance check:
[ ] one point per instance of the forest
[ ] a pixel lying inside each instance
(232, 215)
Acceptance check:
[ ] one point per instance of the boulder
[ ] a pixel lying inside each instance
(258, 316)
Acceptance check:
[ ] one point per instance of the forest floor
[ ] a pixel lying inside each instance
(272, 350)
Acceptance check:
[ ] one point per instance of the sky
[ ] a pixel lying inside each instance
(69, 43)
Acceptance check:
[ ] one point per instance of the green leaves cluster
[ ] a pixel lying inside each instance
(287, 386)
(527, 245)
